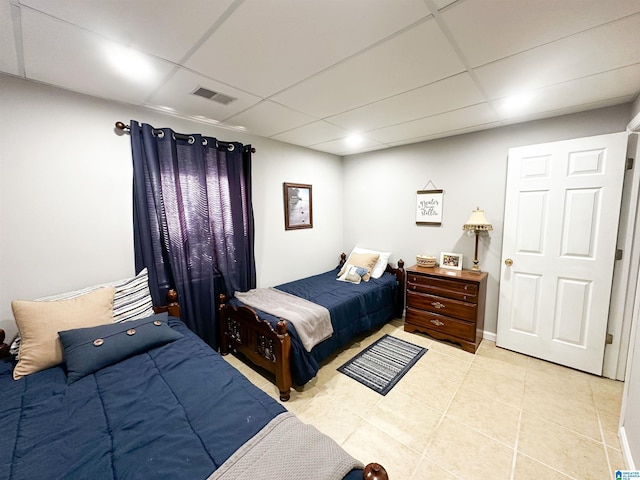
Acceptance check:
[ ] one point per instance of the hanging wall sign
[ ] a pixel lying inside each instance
(429, 207)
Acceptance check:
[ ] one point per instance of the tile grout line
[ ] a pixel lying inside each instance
(520, 414)
(441, 420)
(601, 427)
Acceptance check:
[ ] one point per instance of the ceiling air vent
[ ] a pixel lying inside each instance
(213, 96)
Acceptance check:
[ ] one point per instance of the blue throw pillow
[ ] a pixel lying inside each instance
(87, 350)
(361, 271)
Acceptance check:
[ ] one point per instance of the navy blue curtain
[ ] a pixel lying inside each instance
(192, 220)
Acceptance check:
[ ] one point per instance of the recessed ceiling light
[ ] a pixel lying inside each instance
(129, 62)
(515, 103)
(354, 140)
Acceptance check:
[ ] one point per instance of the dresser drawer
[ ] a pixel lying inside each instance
(439, 286)
(441, 323)
(443, 306)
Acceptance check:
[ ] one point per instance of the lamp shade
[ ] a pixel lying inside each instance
(477, 221)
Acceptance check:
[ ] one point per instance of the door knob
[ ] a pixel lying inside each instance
(508, 262)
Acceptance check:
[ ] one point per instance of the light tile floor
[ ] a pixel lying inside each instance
(493, 415)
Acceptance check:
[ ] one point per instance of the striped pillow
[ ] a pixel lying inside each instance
(132, 300)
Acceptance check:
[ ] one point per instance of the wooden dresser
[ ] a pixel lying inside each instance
(446, 304)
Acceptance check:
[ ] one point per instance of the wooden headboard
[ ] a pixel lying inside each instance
(172, 306)
(4, 348)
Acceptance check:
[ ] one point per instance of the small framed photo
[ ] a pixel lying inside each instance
(298, 206)
(451, 260)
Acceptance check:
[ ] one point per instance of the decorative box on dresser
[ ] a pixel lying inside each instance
(446, 304)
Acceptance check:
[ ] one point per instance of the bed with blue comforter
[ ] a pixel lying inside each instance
(177, 411)
(273, 343)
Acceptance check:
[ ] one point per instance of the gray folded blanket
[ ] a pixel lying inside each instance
(287, 448)
(311, 321)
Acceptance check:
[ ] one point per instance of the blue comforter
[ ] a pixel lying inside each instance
(177, 411)
(355, 309)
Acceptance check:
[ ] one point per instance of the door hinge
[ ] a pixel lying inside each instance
(629, 164)
(618, 254)
(609, 339)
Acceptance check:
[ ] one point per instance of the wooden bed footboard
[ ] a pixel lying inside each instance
(242, 330)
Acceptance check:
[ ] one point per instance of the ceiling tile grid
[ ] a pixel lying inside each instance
(312, 73)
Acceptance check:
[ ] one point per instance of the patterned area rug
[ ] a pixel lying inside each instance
(382, 364)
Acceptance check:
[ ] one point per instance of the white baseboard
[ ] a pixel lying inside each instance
(489, 336)
(626, 451)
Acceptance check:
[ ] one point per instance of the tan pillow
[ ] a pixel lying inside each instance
(364, 260)
(40, 322)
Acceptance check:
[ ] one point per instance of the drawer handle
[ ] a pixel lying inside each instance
(436, 322)
(413, 287)
(438, 304)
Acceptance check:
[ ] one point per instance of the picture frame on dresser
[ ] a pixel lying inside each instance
(450, 260)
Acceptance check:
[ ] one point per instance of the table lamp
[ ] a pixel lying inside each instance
(477, 224)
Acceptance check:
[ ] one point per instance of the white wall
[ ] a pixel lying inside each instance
(380, 190)
(630, 415)
(65, 195)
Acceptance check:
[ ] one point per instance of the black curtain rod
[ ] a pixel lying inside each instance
(127, 128)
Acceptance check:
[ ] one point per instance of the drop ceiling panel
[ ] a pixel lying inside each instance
(176, 93)
(266, 46)
(440, 4)
(313, 133)
(581, 55)
(438, 124)
(449, 94)
(142, 25)
(341, 147)
(311, 72)
(449, 133)
(412, 59)
(8, 51)
(74, 59)
(268, 118)
(595, 91)
(487, 31)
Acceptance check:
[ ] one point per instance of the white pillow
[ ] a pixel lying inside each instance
(381, 264)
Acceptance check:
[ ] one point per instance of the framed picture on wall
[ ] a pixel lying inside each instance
(429, 207)
(298, 206)
(451, 260)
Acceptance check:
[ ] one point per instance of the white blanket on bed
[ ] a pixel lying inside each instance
(287, 448)
(311, 321)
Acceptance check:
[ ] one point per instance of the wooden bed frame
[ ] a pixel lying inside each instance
(371, 471)
(242, 330)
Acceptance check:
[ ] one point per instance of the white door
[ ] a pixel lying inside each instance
(560, 227)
